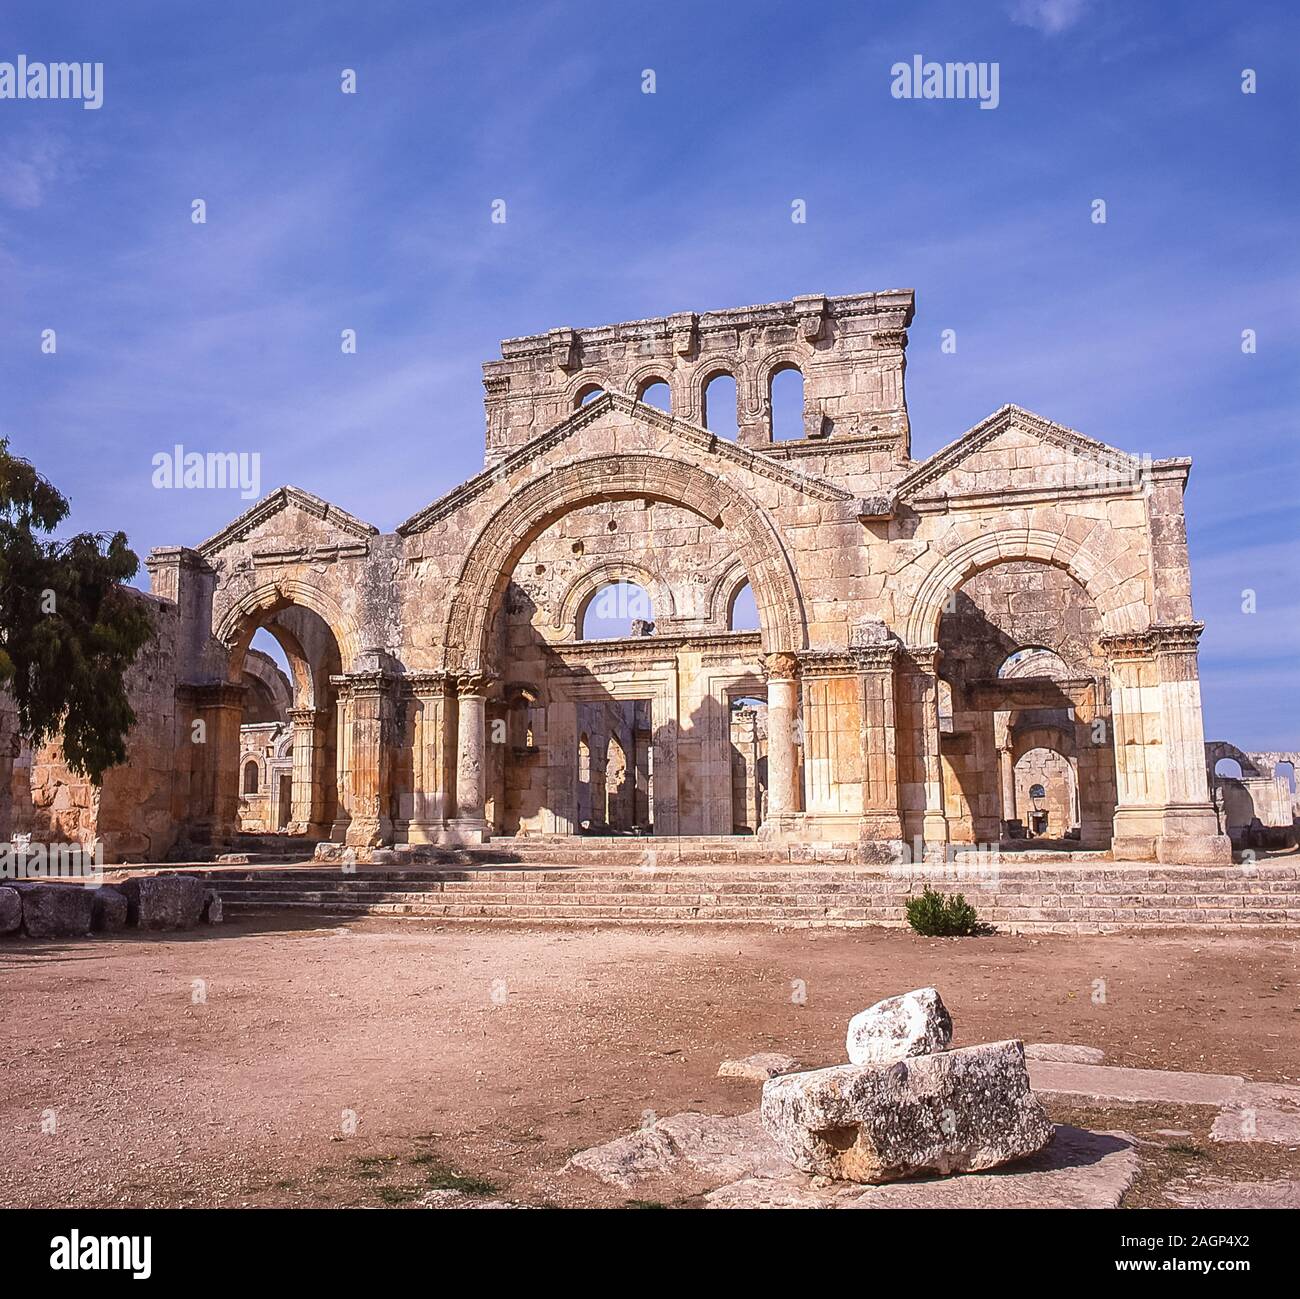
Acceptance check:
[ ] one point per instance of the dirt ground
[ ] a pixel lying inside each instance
(222, 1067)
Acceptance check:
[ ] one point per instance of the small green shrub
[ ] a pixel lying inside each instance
(936, 915)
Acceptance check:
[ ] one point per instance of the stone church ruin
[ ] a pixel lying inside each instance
(991, 643)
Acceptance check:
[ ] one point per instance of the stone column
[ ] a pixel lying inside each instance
(371, 737)
(881, 813)
(342, 759)
(471, 758)
(432, 771)
(1163, 805)
(1006, 769)
(782, 740)
(564, 808)
(307, 815)
(934, 825)
(219, 707)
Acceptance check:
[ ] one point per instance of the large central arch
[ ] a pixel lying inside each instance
(533, 508)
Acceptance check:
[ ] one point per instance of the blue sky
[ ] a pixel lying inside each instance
(372, 212)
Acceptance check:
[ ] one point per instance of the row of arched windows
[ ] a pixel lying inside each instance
(720, 411)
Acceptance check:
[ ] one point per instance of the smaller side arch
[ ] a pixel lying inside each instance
(726, 586)
(589, 581)
(583, 384)
(242, 618)
(984, 550)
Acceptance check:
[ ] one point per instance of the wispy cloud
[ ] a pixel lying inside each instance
(1048, 16)
(31, 165)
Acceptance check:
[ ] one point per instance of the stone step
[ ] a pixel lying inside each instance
(1021, 898)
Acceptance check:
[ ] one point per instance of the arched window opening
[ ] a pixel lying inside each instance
(655, 392)
(743, 614)
(1034, 661)
(718, 409)
(250, 777)
(1228, 767)
(588, 394)
(617, 609)
(1286, 771)
(785, 396)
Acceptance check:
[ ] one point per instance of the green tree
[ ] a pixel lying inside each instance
(69, 629)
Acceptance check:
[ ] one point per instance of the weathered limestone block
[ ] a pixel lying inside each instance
(760, 1067)
(954, 1112)
(212, 908)
(108, 910)
(165, 901)
(915, 1023)
(11, 911)
(55, 910)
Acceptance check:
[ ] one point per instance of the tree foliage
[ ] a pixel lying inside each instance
(69, 629)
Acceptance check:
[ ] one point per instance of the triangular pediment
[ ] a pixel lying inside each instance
(1014, 449)
(668, 430)
(263, 515)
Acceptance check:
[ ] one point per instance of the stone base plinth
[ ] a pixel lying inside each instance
(1194, 850)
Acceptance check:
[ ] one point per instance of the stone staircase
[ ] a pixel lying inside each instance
(1072, 897)
(585, 894)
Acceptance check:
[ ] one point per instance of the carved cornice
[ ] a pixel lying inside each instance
(1159, 638)
(898, 304)
(849, 662)
(427, 683)
(355, 685)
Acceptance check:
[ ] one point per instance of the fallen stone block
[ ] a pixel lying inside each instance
(212, 909)
(1260, 1113)
(56, 910)
(711, 1149)
(1064, 1053)
(1079, 1170)
(759, 1068)
(1219, 1193)
(109, 910)
(1101, 1083)
(915, 1023)
(11, 911)
(951, 1112)
(164, 901)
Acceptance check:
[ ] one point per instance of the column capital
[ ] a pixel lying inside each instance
(307, 716)
(471, 685)
(926, 658)
(217, 694)
(360, 684)
(781, 667)
(424, 684)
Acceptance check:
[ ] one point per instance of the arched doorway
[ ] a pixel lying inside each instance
(1021, 753)
(278, 714)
